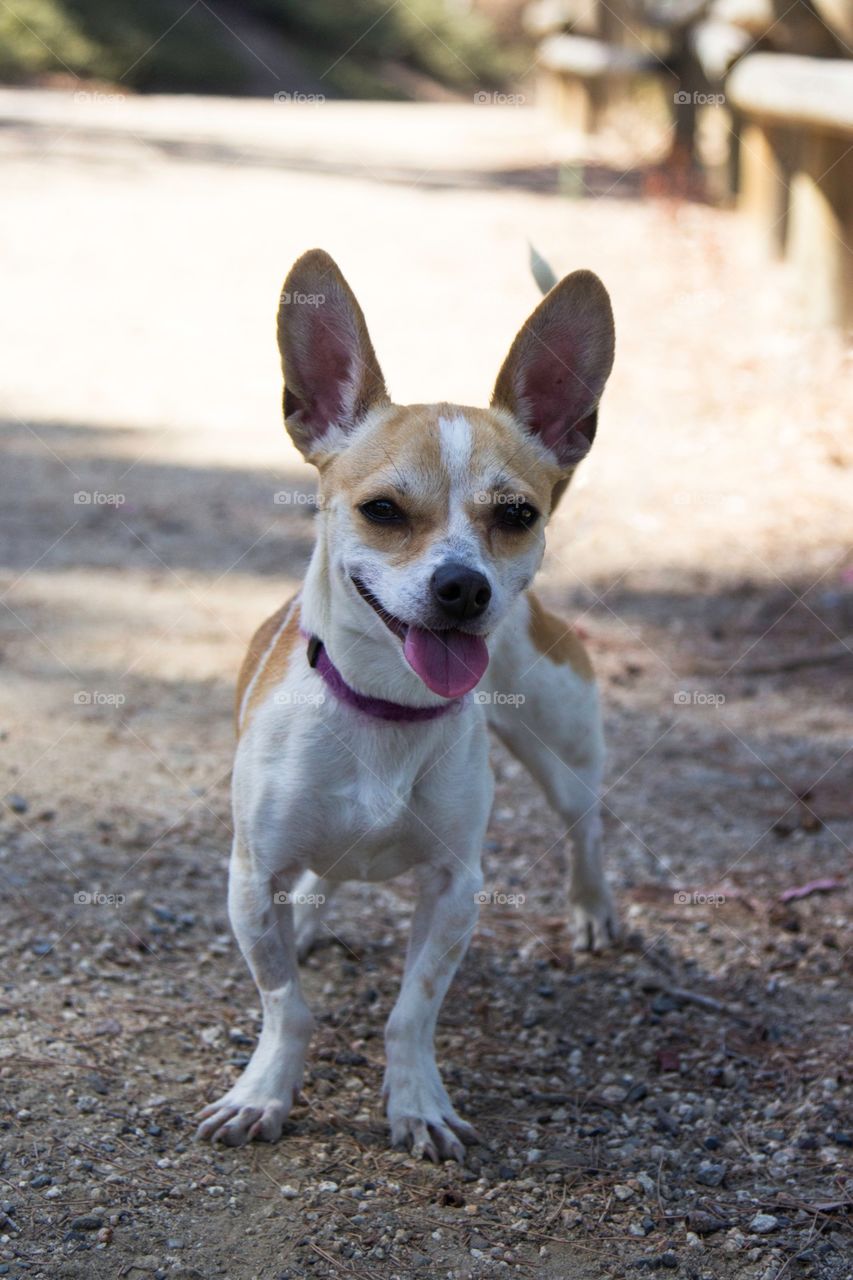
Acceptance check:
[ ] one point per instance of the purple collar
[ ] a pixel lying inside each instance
(379, 708)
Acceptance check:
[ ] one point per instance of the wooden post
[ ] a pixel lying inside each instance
(820, 239)
(797, 171)
(763, 184)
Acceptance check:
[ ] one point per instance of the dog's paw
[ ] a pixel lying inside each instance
(596, 924)
(435, 1138)
(239, 1117)
(422, 1118)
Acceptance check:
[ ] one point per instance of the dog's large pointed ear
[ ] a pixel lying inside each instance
(556, 369)
(331, 374)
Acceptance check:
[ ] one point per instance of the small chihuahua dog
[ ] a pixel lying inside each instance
(363, 747)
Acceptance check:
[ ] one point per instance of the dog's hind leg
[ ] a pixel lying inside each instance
(310, 902)
(543, 705)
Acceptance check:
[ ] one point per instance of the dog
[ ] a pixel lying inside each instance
(362, 748)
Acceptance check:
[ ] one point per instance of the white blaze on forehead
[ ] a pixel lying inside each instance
(457, 447)
(457, 441)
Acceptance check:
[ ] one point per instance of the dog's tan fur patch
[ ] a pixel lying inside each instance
(557, 640)
(266, 659)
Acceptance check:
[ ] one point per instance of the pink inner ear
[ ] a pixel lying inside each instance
(325, 372)
(556, 398)
(320, 383)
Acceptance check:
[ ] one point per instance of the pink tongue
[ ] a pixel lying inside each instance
(448, 662)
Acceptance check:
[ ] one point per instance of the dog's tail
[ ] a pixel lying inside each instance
(542, 271)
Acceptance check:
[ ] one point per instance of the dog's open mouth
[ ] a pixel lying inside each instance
(450, 662)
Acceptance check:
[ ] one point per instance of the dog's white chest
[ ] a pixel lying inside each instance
(356, 799)
(370, 830)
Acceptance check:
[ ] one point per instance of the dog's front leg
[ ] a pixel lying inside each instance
(262, 919)
(419, 1110)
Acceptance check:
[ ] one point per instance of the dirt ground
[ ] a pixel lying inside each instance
(678, 1104)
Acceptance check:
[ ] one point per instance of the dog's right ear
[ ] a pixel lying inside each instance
(331, 374)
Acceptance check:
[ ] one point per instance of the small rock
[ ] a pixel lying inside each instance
(289, 1193)
(710, 1174)
(705, 1224)
(17, 803)
(86, 1103)
(41, 1180)
(613, 1094)
(763, 1223)
(87, 1222)
(327, 1186)
(623, 1192)
(348, 1058)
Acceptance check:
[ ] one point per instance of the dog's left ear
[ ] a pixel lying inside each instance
(556, 369)
(331, 374)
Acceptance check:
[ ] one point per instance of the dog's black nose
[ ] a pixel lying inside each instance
(461, 592)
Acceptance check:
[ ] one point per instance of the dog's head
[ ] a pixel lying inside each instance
(436, 513)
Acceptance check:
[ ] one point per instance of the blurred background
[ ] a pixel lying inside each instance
(163, 165)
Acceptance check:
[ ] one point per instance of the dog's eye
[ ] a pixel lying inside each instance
(517, 515)
(381, 511)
